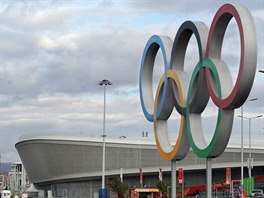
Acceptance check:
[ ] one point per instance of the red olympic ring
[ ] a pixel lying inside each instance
(248, 55)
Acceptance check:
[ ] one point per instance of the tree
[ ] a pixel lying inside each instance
(119, 187)
(162, 186)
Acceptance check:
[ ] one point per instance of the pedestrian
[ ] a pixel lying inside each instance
(197, 194)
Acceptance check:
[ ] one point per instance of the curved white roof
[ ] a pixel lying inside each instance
(121, 140)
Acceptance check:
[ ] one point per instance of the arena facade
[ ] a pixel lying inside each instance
(71, 166)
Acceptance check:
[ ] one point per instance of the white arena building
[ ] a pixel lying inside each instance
(71, 166)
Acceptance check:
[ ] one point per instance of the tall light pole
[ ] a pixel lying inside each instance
(249, 142)
(104, 83)
(242, 146)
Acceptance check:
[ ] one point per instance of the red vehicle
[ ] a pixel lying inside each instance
(144, 193)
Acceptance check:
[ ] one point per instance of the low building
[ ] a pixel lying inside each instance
(71, 166)
(4, 181)
(17, 178)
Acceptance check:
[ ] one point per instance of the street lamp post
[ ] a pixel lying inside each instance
(261, 71)
(250, 162)
(249, 142)
(242, 152)
(242, 146)
(104, 83)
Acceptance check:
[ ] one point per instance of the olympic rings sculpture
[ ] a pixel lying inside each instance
(211, 78)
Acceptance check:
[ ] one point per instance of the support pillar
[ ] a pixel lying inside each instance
(209, 177)
(173, 178)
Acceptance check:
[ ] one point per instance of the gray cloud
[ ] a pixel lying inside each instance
(55, 52)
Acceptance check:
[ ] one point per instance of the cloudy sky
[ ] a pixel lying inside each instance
(53, 54)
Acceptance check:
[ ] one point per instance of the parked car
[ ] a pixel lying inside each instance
(257, 193)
